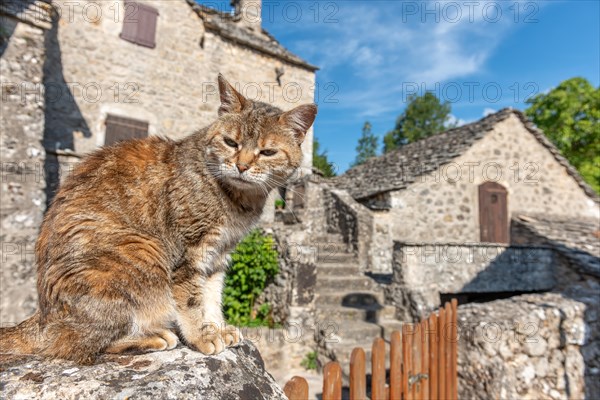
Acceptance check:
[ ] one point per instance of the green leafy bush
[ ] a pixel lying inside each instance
(310, 361)
(254, 263)
(279, 203)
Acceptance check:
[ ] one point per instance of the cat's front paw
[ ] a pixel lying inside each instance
(231, 335)
(214, 338)
(210, 341)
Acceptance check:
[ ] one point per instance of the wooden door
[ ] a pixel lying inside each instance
(493, 213)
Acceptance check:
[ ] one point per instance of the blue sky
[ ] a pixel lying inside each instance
(479, 55)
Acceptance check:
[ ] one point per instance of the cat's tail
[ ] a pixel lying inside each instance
(24, 338)
(59, 338)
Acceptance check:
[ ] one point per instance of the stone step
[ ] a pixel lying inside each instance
(329, 257)
(331, 238)
(354, 334)
(344, 281)
(349, 298)
(337, 269)
(333, 247)
(370, 313)
(349, 333)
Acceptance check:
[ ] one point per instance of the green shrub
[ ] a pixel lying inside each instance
(254, 263)
(310, 361)
(279, 203)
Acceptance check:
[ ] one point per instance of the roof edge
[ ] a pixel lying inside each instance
(212, 27)
(544, 141)
(496, 118)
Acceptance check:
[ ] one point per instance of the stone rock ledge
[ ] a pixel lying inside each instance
(236, 373)
(524, 347)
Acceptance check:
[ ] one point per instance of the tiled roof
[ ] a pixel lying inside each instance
(578, 240)
(228, 27)
(399, 168)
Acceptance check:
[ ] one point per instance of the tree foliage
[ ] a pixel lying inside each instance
(367, 145)
(569, 115)
(321, 162)
(424, 116)
(254, 263)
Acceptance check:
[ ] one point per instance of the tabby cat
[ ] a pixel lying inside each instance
(133, 250)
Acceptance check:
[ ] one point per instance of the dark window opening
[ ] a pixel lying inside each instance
(139, 24)
(120, 128)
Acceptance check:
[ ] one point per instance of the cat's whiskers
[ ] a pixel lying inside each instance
(279, 184)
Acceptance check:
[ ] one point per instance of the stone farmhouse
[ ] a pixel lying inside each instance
(79, 75)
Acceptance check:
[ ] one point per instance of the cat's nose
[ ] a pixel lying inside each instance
(242, 167)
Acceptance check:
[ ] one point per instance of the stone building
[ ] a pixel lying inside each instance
(465, 185)
(79, 75)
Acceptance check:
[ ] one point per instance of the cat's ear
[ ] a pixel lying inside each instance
(299, 119)
(231, 100)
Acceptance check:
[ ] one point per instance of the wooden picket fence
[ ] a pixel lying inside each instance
(423, 365)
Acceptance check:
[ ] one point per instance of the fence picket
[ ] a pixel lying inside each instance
(332, 381)
(433, 357)
(406, 367)
(358, 379)
(396, 366)
(378, 369)
(416, 365)
(454, 353)
(296, 388)
(425, 359)
(448, 349)
(442, 355)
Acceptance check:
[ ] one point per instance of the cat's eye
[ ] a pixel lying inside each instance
(268, 152)
(230, 143)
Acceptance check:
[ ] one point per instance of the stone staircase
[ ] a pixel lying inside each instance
(350, 306)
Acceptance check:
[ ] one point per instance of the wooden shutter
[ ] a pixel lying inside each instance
(119, 128)
(139, 24)
(130, 22)
(493, 213)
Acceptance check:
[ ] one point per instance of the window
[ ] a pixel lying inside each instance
(119, 128)
(139, 24)
(493, 213)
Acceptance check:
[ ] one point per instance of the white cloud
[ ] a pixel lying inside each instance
(487, 111)
(454, 121)
(376, 48)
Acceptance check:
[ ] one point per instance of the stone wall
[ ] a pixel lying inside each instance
(23, 170)
(423, 272)
(525, 347)
(352, 220)
(171, 86)
(282, 349)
